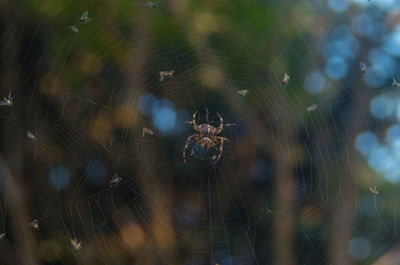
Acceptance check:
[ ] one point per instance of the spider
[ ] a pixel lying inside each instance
(207, 136)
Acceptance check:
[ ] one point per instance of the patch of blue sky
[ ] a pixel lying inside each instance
(379, 159)
(393, 133)
(362, 25)
(382, 106)
(376, 77)
(391, 42)
(366, 142)
(338, 5)
(380, 59)
(340, 48)
(336, 67)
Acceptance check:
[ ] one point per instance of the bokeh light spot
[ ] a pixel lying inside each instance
(59, 177)
(359, 248)
(336, 67)
(314, 82)
(164, 116)
(381, 107)
(366, 142)
(146, 103)
(261, 171)
(338, 5)
(96, 173)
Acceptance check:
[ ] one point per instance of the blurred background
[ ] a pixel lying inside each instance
(82, 182)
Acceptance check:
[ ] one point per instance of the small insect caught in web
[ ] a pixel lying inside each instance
(395, 84)
(85, 17)
(7, 101)
(74, 28)
(286, 78)
(76, 244)
(31, 136)
(243, 92)
(165, 74)
(363, 67)
(2, 235)
(34, 224)
(115, 180)
(312, 107)
(150, 4)
(373, 190)
(147, 131)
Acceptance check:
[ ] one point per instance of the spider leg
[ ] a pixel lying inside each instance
(194, 118)
(222, 125)
(195, 126)
(190, 138)
(221, 147)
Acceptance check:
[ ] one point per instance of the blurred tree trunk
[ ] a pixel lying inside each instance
(285, 196)
(159, 237)
(344, 200)
(12, 145)
(284, 154)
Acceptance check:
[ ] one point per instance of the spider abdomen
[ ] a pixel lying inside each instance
(207, 130)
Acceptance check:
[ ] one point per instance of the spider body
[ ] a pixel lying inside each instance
(207, 136)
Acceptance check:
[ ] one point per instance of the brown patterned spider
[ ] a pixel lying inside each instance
(207, 136)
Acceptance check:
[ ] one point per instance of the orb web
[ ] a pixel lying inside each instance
(93, 141)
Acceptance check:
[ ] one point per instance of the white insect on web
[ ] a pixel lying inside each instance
(373, 190)
(147, 131)
(34, 224)
(31, 136)
(76, 244)
(115, 180)
(312, 107)
(74, 28)
(85, 17)
(286, 78)
(243, 92)
(165, 74)
(2, 235)
(7, 101)
(150, 4)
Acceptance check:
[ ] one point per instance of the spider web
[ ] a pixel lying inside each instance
(288, 178)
